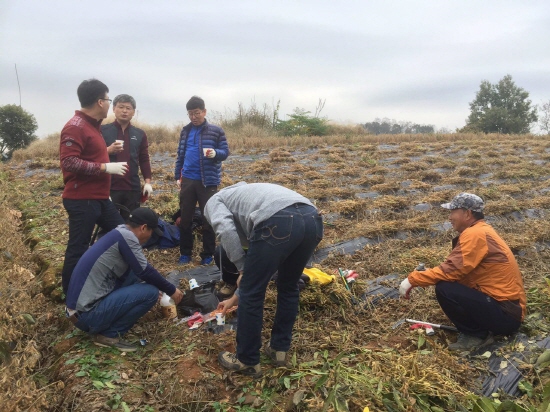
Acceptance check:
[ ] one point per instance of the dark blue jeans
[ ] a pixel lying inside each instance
(83, 215)
(284, 242)
(119, 310)
(473, 312)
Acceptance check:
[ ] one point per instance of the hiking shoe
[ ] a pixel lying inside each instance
(117, 343)
(227, 290)
(277, 357)
(468, 343)
(184, 260)
(207, 260)
(229, 361)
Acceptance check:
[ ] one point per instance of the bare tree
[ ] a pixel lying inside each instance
(320, 107)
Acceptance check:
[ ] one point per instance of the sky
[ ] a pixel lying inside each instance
(418, 61)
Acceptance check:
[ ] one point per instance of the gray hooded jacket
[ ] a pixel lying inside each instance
(235, 210)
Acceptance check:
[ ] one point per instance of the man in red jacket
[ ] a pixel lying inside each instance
(87, 173)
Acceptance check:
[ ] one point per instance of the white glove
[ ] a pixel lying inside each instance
(211, 153)
(147, 189)
(405, 288)
(116, 168)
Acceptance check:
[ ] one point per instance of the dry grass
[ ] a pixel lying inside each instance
(164, 138)
(360, 359)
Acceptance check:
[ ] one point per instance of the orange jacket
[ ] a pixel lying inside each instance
(480, 260)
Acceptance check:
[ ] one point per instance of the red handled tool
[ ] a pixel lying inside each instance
(428, 328)
(434, 325)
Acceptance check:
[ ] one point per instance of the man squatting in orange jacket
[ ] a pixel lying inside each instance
(479, 286)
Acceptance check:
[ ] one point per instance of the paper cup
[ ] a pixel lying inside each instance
(120, 141)
(220, 319)
(169, 312)
(205, 152)
(193, 284)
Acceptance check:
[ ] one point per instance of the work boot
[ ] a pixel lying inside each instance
(117, 343)
(229, 361)
(227, 290)
(277, 357)
(468, 343)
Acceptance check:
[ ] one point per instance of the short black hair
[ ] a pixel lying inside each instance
(90, 91)
(195, 102)
(478, 215)
(124, 98)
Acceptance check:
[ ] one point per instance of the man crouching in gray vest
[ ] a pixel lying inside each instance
(281, 230)
(113, 285)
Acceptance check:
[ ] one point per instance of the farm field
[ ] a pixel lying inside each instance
(386, 189)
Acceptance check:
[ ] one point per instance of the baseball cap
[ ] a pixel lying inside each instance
(146, 216)
(465, 201)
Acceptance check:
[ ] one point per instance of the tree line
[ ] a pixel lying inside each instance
(390, 126)
(502, 107)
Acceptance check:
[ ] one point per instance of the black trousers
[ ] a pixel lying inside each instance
(193, 191)
(83, 215)
(127, 198)
(230, 273)
(473, 312)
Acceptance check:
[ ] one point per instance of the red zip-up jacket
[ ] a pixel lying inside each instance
(135, 153)
(82, 150)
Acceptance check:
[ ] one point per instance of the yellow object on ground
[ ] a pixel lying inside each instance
(317, 275)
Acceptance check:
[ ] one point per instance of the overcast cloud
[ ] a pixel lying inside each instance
(419, 61)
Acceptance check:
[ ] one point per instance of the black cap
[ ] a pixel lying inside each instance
(146, 216)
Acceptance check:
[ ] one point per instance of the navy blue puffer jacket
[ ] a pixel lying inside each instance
(211, 137)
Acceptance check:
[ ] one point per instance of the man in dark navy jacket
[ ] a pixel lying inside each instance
(127, 143)
(202, 148)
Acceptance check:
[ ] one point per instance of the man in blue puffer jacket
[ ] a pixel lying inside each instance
(201, 150)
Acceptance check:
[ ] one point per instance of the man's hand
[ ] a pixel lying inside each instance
(210, 153)
(178, 182)
(405, 289)
(115, 148)
(116, 168)
(177, 296)
(228, 304)
(147, 189)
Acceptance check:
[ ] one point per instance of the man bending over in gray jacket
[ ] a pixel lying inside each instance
(281, 229)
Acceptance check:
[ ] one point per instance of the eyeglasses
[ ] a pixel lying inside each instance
(194, 114)
(109, 100)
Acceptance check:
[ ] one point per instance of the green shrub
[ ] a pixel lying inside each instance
(301, 123)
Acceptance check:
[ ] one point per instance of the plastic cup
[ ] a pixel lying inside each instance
(168, 307)
(120, 141)
(169, 312)
(193, 284)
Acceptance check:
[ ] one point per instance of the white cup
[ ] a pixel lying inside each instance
(205, 151)
(193, 284)
(220, 318)
(120, 141)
